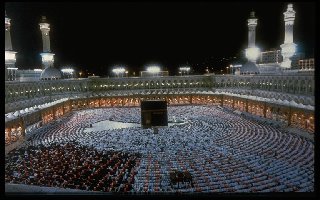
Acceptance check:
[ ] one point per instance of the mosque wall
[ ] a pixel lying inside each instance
(176, 90)
(19, 95)
(282, 115)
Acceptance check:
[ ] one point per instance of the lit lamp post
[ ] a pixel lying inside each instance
(227, 70)
(185, 70)
(119, 71)
(154, 70)
(207, 70)
(126, 73)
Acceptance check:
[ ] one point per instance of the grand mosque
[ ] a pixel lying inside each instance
(249, 131)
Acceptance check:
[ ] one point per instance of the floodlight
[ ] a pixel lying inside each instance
(184, 68)
(153, 69)
(252, 53)
(67, 70)
(47, 57)
(10, 55)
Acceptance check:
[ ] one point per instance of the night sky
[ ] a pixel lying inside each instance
(97, 36)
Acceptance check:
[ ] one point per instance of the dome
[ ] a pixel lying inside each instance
(50, 73)
(249, 68)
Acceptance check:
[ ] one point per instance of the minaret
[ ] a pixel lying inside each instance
(288, 48)
(47, 56)
(252, 52)
(10, 56)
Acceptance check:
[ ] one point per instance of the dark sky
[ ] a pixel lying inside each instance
(97, 36)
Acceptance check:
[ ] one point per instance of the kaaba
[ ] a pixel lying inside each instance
(154, 113)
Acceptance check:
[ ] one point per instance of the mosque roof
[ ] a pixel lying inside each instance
(50, 73)
(249, 68)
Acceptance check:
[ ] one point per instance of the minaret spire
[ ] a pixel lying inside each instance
(252, 52)
(10, 55)
(45, 29)
(47, 56)
(49, 72)
(8, 45)
(288, 48)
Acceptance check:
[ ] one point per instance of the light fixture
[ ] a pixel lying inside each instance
(10, 55)
(67, 70)
(252, 53)
(47, 57)
(184, 68)
(153, 69)
(118, 70)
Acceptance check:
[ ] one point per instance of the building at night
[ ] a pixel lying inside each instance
(307, 64)
(274, 61)
(274, 56)
(267, 102)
